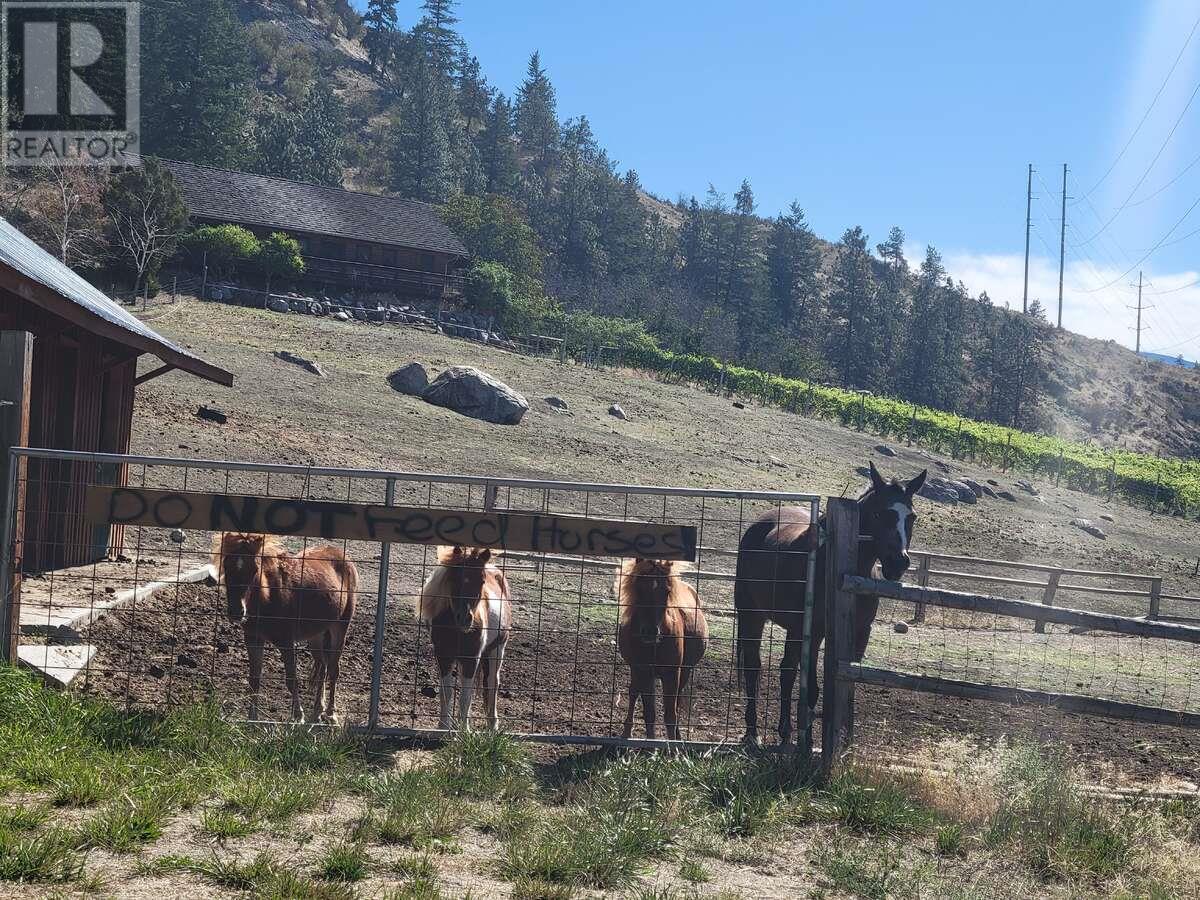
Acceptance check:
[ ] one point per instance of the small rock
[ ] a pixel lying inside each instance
(411, 379)
(155, 671)
(615, 410)
(900, 628)
(776, 461)
(212, 414)
(307, 364)
(1028, 488)
(186, 661)
(278, 304)
(1090, 527)
(222, 647)
(341, 316)
(178, 536)
(738, 405)
(884, 450)
(993, 482)
(428, 691)
(1107, 518)
(1006, 495)
(110, 590)
(557, 403)
(864, 471)
(975, 486)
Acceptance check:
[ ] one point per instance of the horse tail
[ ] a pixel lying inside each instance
(349, 573)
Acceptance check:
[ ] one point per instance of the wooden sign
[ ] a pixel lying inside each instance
(536, 532)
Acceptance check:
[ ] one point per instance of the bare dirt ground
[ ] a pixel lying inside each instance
(568, 677)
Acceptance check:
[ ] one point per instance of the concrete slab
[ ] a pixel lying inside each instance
(59, 663)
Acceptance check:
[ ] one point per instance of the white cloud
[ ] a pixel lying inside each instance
(1171, 318)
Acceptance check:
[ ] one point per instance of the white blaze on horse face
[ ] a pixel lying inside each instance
(902, 511)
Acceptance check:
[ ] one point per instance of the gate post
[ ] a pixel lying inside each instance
(841, 559)
(1039, 626)
(385, 557)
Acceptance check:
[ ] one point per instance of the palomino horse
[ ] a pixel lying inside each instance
(662, 632)
(772, 571)
(468, 606)
(284, 598)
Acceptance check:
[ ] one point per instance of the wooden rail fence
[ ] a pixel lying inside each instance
(842, 672)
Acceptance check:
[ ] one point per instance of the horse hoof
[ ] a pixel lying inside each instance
(751, 740)
(330, 719)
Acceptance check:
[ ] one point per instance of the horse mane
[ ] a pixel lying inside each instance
(434, 596)
(272, 548)
(625, 586)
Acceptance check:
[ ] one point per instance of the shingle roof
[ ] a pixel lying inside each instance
(64, 293)
(245, 199)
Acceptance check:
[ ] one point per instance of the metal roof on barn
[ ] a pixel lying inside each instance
(244, 199)
(35, 276)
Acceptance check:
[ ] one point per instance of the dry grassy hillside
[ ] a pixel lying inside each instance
(1108, 394)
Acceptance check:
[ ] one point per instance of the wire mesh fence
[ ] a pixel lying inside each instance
(146, 625)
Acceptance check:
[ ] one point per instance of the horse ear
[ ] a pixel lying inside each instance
(877, 481)
(446, 555)
(484, 555)
(915, 485)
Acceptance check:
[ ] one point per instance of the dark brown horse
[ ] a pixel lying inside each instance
(772, 573)
(661, 633)
(285, 598)
(468, 606)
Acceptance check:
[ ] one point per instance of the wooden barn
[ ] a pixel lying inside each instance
(68, 370)
(347, 238)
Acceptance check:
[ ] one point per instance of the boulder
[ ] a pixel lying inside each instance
(1107, 518)
(341, 316)
(307, 364)
(884, 450)
(615, 410)
(975, 486)
(964, 492)
(1028, 488)
(178, 536)
(477, 394)
(1090, 527)
(938, 493)
(212, 414)
(411, 379)
(1006, 495)
(900, 628)
(557, 403)
(278, 304)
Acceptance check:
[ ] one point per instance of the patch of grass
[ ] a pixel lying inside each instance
(874, 807)
(344, 862)
(414, 867)
(949, 840)
(23, 818)
(413, 811)
(484, 765)
(222, 823)
(48, 857)
(273, 798)
(127, 823)
(693, 870)
(1059, 832)
(82, 784)
(263, 877)
(864, 870)
(421, 888)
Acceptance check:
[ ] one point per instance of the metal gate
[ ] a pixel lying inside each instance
(149, 629)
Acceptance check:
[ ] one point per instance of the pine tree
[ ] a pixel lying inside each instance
(421, 160)
(792, 263)
(498, 149)
(576, 237)
(474, 94)
(379, 36)
(308, 145)
(443, 42)
(537, 114)
(850, 302)
(196, 82)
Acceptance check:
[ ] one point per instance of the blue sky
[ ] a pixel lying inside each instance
(922, 115)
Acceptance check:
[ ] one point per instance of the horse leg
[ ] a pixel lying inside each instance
(316, 680)
(446, 693)
(634, 691)
(492, 682)
(749, 652)
(293, 683)
(254, 650)
(787, 681)
(335, 642)
(670, 688)
(649, 713)
(466, 670)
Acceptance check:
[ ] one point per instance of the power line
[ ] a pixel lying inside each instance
(1149, 109)
(1194, 337)
(1138, 342)
(1151, 251)
(1149, 168)
(1150, 197)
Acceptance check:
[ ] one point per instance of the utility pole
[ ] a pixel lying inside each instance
(1062, 246)
(1138, 340)
(1028, 225)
